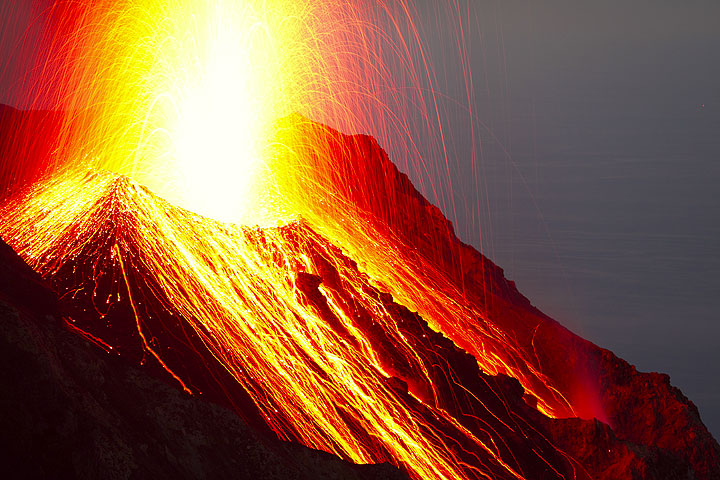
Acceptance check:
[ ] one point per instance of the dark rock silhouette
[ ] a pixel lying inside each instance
(72, 410)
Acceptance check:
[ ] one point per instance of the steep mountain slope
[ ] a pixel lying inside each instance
(308, 330)
(463, 294)
(322, 357)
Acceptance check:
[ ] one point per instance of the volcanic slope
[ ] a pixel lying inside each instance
(284, 327)
(407, 245)
(322, 357)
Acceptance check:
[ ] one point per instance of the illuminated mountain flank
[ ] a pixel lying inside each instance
(363, 327)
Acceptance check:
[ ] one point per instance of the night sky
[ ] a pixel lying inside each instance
(599, 162)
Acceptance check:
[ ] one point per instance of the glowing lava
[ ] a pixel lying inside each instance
(315, 354)
(180, 95)
(230, 75)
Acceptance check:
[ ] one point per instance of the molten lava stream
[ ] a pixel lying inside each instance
(314, 359)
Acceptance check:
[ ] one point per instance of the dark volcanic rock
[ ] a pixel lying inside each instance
(71, 410)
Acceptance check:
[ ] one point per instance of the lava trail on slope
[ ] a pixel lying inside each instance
(285, 327)
(322, 356)
(407, 245)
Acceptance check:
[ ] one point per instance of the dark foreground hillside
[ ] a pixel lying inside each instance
(71, 410)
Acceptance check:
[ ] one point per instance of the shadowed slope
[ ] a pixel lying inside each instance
(71, 410)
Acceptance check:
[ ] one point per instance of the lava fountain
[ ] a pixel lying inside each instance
(182, 95)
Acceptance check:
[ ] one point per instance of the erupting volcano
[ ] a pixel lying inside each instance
(191, 223)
